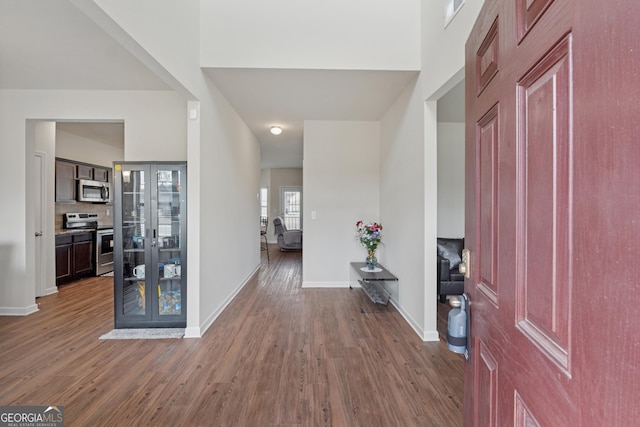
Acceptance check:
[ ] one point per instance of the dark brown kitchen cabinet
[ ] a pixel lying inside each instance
(84, 172)
(83, 254)
(101, 174)
(65, 182)
(92, 173)
(64, 258)
(74, 256)
(68, 172)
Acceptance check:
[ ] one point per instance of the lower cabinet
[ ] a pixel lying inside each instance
(74, 256)
(64, 259)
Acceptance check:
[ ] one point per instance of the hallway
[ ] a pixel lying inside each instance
(277, 355)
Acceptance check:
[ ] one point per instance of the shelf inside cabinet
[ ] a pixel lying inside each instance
(133, 299)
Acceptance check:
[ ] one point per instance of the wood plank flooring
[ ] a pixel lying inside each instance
(278, 355)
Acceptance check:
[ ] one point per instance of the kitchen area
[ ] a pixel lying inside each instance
(84, 198)
(93, 239)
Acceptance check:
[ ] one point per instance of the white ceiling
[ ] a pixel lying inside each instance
(50, 44)
(266, 97)
(104, 132)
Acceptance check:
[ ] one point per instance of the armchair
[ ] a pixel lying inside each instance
(450, 280)
(288, 240)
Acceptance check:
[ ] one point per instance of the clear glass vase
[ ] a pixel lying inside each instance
(372, 261)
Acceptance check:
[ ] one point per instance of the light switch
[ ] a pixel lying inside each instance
(314, 215)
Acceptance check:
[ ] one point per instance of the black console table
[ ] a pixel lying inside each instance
(373, 282)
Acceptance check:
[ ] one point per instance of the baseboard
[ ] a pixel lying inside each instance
(18, 311)
(424, 335)
(431, 336)
(209, 321)
(51, 291)
(325, 284)
(192, 332)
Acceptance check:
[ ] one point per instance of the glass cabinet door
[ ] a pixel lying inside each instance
(134, 228)
(150, 245)
(169, 240)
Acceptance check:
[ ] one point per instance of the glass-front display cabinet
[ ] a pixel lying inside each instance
(150, 244)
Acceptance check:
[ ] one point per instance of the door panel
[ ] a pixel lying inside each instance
(528, 12)
(486, 387)
(552, 154)
(488, 133)
(544, 188)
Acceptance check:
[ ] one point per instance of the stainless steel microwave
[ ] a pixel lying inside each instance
(93, 191)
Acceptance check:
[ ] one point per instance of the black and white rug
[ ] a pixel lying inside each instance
(144, 334)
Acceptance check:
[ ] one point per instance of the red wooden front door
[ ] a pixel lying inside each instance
(552, 213)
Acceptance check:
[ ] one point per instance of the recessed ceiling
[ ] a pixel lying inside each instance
(106, 133)
(288, 97)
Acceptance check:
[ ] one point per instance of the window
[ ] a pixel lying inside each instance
(291, 198)
(451, 9)
(264, 202)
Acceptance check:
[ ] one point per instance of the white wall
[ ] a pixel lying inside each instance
(443, 48)
(450, 179)
(332, 34)
(229, 205)
(162, 112)
(407, 203)
(341, 171)
(223, 155)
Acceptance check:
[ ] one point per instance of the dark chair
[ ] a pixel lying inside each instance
(288, 240)
(450, 280)
(264, 221)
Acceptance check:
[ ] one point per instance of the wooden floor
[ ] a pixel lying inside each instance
(278, 355)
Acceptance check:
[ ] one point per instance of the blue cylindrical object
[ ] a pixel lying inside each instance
(457, 330)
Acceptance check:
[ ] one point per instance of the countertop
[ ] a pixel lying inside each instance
(63, 231)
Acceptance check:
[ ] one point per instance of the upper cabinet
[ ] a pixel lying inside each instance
(93, 173)
(101, 174)
(84, 172)
(65, 182)
(69, 172)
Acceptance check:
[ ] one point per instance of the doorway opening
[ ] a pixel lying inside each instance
(291, 199)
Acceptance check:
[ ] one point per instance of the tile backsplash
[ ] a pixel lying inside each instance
(104, 211)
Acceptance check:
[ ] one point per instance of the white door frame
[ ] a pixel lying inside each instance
(40, 195)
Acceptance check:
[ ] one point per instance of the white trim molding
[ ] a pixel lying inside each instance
(18, 311)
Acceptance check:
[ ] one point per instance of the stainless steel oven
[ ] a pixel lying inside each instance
(104, 251)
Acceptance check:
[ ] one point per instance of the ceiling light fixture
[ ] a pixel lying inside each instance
(276, 130)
